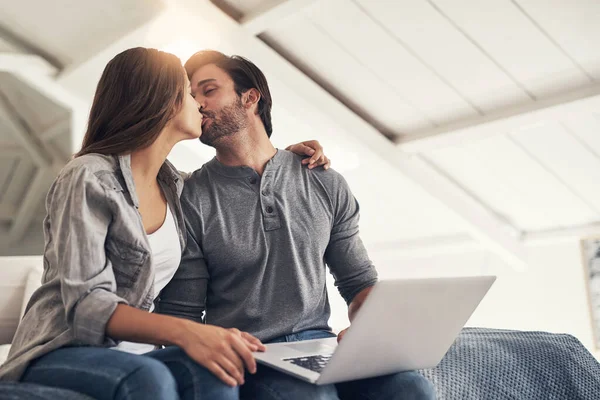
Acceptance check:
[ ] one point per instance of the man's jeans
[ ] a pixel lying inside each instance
(270, 384)
(106, 374)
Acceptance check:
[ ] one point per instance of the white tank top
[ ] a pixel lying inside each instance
(166, 255)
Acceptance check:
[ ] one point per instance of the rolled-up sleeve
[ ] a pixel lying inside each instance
(346, 254)
(79, 217)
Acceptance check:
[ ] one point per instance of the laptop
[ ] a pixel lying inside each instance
(403, 325)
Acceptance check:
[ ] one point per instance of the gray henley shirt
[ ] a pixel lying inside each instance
(262, 244)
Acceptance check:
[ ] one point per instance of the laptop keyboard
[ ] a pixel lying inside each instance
(313, 363)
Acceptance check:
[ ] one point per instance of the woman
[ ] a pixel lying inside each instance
(113, 215)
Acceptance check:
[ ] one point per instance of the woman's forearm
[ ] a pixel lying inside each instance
(222, 351)
(135, 325)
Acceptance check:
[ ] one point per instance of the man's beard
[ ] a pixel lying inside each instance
(231, 120)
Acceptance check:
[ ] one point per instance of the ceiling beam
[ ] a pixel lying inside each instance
(425, 247)
(47, 164)
(81, 76)
(13, 152)
(24, 170)
(459, 243)
(36, 73)
(7, 212)
(263, 19)
(30, 204)
(493, 232)
(23, 133)
(15, 63)
(55, 129)
(505, 121)
(569, 233)
(9, 147)
(306, 96)
(25, 46)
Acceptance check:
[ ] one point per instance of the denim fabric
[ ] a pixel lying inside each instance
(106, 374)
(96, 256)
(269, 384)
(30, 391)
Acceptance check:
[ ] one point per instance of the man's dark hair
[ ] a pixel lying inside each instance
(245, 76)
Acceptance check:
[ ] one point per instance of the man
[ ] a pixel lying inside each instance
(261, 230)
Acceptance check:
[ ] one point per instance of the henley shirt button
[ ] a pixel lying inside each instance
(269, 210)
(252, 181)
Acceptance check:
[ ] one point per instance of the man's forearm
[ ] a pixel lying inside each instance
(357, 302)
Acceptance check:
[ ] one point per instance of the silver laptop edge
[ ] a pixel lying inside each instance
(379, 342)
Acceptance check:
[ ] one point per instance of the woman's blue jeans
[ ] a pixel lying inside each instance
(106, 374)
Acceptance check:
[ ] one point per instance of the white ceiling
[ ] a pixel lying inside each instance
(415, 68)
(496, 105)
(407, 66)
(542, 178)
(72, 30)
(36, 125)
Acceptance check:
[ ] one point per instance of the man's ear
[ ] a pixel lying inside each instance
(252, 97)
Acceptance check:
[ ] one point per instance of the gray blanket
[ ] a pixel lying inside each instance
(502, 364)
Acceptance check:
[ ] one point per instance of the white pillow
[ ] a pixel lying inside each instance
(34, 281)
(4, 348)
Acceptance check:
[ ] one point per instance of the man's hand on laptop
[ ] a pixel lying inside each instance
(340, 335)
(224, 352)
(354, 306)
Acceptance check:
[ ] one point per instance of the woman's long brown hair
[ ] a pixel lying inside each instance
(139, 92)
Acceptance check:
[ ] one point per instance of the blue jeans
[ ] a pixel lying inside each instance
(271, 384)
(30, 391)
(106, 374)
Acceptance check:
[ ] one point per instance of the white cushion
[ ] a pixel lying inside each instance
(4, 348)
(34, 281)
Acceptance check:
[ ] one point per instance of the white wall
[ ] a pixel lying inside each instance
(549, 296)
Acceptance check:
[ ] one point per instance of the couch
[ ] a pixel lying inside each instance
(21, 276)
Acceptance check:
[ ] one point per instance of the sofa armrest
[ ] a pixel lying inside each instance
(4, 349)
